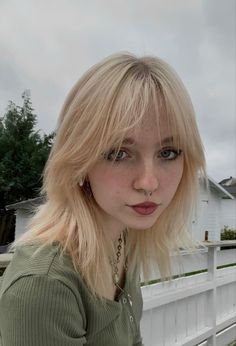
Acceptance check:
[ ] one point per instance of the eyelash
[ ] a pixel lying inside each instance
(116, 152)
(176, 153)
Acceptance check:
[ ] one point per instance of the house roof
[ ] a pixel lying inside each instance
(228, 182)
(231, 190)
(222, 182)
(27, 204)
(229, 185)
(220, 189)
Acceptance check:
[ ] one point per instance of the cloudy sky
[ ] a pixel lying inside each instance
(46, 45)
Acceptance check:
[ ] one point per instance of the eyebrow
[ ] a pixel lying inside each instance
(131, 141)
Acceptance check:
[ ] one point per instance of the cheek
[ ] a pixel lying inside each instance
(108, 180)
(116, 184)
(173, 178)
(177, 176)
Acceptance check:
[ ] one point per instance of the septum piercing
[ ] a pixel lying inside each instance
(147, 193)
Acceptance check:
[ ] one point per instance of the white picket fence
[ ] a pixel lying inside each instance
(193, 310)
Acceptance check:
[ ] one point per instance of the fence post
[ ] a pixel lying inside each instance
(211, 261)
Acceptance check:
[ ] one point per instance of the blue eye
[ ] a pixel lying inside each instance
(115, 155)
(169, 154)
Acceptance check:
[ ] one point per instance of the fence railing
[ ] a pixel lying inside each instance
(191, 310)
(197, 309)
(5, 259)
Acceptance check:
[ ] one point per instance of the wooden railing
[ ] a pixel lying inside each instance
(197, 309)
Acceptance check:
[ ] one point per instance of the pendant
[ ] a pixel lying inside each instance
(116, 278)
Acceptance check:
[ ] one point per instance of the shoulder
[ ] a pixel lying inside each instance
(38, 305)
(46, 262)
(39, 278)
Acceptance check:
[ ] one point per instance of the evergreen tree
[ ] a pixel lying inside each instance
(23, 153)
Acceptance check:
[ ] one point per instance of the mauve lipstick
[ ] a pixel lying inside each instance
(146, 208)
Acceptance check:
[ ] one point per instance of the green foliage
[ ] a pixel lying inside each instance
(23, 153)
(228, 234)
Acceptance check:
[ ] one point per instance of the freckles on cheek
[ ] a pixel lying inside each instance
(110, 182)
(172, 180)
(117, 186)
(110, 179)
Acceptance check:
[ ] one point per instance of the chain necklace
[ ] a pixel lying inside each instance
(115, 270)
(115, 261)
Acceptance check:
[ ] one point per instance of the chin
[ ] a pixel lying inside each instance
(141, 225)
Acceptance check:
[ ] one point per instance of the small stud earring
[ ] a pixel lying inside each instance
(81, 182)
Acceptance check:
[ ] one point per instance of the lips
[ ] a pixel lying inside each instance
(146, 208)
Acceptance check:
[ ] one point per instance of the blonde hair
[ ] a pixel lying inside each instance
(111, 98)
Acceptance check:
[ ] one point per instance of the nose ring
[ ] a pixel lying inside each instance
(147, 193)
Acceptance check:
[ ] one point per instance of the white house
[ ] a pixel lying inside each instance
(228, 212)
(211, 215)
(228, 209)
(24, 211)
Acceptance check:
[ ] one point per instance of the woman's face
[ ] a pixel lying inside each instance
(142, 164)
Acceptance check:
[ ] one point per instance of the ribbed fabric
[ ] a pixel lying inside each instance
(45, 302)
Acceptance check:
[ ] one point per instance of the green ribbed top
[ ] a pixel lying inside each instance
(45, 302)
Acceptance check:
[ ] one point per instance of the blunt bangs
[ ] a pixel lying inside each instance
(115, 97)
(142, 97)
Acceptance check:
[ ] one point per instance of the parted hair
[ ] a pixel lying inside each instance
(111, 98)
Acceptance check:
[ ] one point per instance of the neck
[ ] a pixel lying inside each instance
(114, 228)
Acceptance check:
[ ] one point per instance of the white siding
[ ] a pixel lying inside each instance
(200, 215)
(213, 217)
(228, 213)
(208, 215)
(22, 220)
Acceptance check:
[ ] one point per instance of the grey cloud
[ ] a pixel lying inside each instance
(47, 45)
(220, 17)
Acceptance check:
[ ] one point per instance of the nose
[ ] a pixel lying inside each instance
(146, 178)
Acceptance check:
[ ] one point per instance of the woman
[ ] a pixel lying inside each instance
(120, 187)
